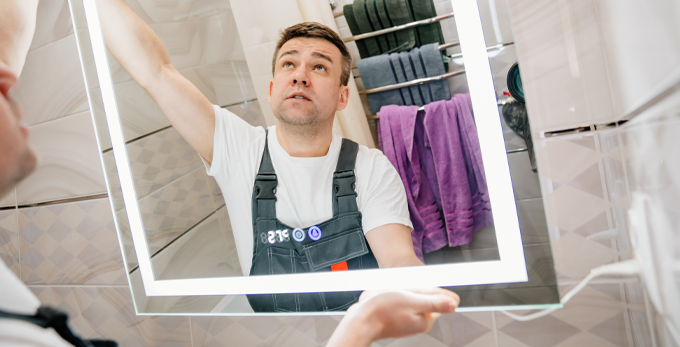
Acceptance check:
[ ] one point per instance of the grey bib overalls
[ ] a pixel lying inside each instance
(281, 249)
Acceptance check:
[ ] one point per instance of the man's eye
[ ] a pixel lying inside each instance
(288, 65)
(320, 68)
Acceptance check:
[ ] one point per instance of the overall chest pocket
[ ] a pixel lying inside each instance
(288, 261)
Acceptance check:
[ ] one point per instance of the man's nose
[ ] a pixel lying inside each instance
(300, 76)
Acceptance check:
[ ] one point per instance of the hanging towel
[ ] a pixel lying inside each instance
(396, 12)
(385, 22)
(410, 75)
(481, 206)
(457, 159)
(400, 74)
(376, 24)
(354, 29)
(377, 72)
(431, 64)
(364, 23)
(396, 128)
(429, 33)
(395, 68)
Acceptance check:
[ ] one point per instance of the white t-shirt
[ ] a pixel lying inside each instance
(304, 184)
(15, 297)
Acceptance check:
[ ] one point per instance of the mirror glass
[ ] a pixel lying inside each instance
(193, 221)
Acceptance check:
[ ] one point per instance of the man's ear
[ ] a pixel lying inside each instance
(344, 98)
(271, 85)
(7, 79)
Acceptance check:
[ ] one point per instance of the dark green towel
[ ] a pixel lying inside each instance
(383, 40)
(386, 23)
(430, 33)
(361, 17)
(354, 28)
(398, 14)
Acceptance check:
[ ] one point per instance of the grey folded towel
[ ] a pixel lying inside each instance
(408, 66)
(377, 72)
(431, 65)
(383, 70)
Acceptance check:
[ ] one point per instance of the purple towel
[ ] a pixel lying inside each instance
(481, 206)
(439, 161)
(453, 138)
(396, 128)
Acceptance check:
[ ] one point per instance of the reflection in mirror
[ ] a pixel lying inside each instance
(224, 190)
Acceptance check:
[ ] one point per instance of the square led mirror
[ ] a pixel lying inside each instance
(183, 251)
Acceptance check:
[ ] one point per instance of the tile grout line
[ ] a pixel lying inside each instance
(191, 333)
(165, 186)
(60, 118)
(64, 201)
(495, 327)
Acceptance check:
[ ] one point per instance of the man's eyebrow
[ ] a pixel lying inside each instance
(289, 52)
(322, 56)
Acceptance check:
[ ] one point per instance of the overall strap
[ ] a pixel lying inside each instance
(344, 181)
(48, 317)
(264, 193)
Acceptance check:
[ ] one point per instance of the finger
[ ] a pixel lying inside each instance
(440, 291)
(425, 303)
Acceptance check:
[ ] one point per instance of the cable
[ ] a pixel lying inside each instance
(624, 268)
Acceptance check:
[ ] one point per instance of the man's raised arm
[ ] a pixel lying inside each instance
(142, 54)
(17, 26)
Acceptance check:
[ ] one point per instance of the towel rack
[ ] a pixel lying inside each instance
(441, 47)
(411, 83)
(458, 55)
(422, 108)
(398, 27)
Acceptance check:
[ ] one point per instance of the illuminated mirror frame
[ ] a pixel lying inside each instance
(510, 268)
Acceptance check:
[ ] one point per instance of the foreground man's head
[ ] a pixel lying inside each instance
(311, 68)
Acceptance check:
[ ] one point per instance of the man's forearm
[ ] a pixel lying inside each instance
(132, 42)
(17, 26)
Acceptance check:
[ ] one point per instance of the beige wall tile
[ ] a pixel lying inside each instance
(202, 79)
(173, 10)
(9, 240)
(173, 209)
(139, 113)
(202, 252)
(9, 199)
(110, 314)
(232, 82)
(219, 37)
(54, 21)
(51, 84)
(183, 43)
(68, 165)
(72, 243)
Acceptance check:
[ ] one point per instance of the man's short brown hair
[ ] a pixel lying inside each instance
(316, 30)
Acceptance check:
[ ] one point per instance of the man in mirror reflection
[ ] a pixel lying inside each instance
(300, 198)
(376, 316)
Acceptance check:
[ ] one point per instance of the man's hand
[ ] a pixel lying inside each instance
(392, 314)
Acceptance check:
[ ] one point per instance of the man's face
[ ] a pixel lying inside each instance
(17, 159)
(306, 89)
